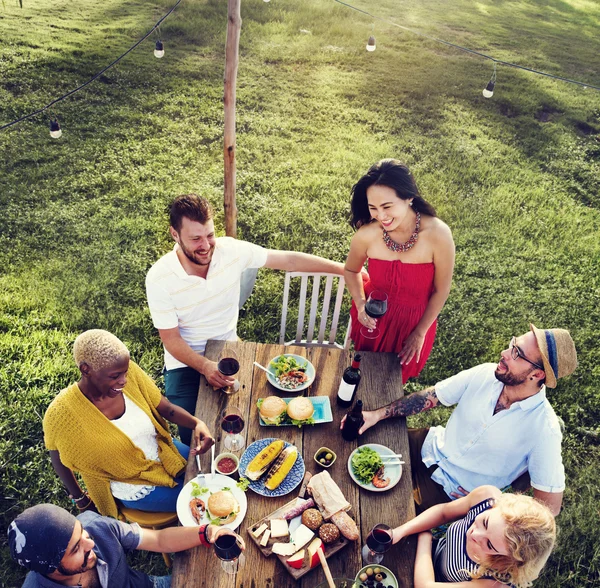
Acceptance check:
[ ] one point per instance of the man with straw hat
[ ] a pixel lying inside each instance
(502, 428)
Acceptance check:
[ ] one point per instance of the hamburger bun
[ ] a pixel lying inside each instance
(223, 506)
(271, 409)
(300, 409)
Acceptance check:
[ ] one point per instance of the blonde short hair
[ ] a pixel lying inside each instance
(98, 349)
(530, 535)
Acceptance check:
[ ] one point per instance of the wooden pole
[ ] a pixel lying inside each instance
(234, 25)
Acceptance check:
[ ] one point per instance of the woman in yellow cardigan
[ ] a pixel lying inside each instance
(110, 427)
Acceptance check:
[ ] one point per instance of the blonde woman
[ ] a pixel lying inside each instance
(495, 540)
(110, 427)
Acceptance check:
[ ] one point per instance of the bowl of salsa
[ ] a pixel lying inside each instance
(227, 463)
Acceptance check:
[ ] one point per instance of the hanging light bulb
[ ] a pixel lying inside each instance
(488, 91)
(267, 0)
(55, 131)
(159, 50)
(371, 43)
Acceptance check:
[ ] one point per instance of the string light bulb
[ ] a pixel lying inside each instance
(371, 43)
(488, 91)
(159, 50)
(55, 131)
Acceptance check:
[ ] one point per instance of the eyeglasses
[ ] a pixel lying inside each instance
(515, 353)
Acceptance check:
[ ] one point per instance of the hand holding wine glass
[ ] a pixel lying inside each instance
(229, 547)
(379, 541)
(232, 422)
(375, 308)
(229, 365)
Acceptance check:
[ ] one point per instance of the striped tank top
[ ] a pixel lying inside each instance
(451, 562)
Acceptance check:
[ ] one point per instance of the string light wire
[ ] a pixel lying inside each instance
(467, 50)
(39, 110)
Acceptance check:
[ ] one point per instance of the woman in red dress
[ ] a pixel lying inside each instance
(410, 255)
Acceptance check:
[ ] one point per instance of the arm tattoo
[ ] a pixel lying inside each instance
(413, 404)
(172, 412)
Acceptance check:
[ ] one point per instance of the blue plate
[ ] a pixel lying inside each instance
(322, 412)
(291, 481)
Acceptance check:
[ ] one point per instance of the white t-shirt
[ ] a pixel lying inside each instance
(202, 308)
(136, 424)
(479, 447)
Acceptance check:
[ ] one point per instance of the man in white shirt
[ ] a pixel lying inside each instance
(502, 427)
(193, 294)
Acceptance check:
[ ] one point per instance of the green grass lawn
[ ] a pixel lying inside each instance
(516, 177)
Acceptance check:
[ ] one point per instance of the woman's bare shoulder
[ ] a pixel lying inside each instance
(367, 233)
(436, 229)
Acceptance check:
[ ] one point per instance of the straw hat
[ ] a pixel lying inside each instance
(558, 353)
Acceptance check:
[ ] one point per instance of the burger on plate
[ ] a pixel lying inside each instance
(222, 507)
(272, 410)
(300, 411)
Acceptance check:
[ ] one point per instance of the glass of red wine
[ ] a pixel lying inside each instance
(229, 551)
(375, 307)
(232, 422)
(229, 365)
(378, 542)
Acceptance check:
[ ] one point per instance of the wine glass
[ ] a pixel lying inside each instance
(229, 365)
(232, 422)
(378, 542)
(375, 307)
(229, 551)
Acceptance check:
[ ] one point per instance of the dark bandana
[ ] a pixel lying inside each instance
(39, 536)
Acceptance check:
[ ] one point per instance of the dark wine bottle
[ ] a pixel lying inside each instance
(349, 383)
(354, 421)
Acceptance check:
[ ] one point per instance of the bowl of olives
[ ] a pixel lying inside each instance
(376, 576)
(325, 457)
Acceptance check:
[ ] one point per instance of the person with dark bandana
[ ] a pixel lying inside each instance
(503, 430)
(90, 550)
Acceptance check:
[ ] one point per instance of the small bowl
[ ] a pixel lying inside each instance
(390, 580)
(325, 450)
(232, 456)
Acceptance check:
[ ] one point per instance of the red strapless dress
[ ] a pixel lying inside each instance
(409, 287)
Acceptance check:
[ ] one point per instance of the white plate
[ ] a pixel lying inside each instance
(393, 472)
(310, 372)
(214, 484)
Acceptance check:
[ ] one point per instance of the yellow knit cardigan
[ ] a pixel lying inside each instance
(92, 445)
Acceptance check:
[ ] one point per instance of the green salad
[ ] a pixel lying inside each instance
(198, 490)
(285, 364)
(365, 463)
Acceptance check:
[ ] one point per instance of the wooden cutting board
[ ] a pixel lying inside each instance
(268, 549)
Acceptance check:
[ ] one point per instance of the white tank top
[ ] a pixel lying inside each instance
(136, 424)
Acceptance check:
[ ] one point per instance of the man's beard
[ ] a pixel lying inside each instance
(191, 255)
(510, 379)
(67, 572)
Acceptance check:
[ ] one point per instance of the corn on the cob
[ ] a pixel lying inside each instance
(281, 468)
(259, 465)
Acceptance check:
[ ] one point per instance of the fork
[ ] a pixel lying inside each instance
(200, 477)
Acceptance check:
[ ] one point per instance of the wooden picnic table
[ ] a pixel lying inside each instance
(381, 383)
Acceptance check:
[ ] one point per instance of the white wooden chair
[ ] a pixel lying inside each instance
(247, 284)
(324, 305)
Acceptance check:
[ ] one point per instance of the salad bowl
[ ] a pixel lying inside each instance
(392, 469)
(281, 365)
